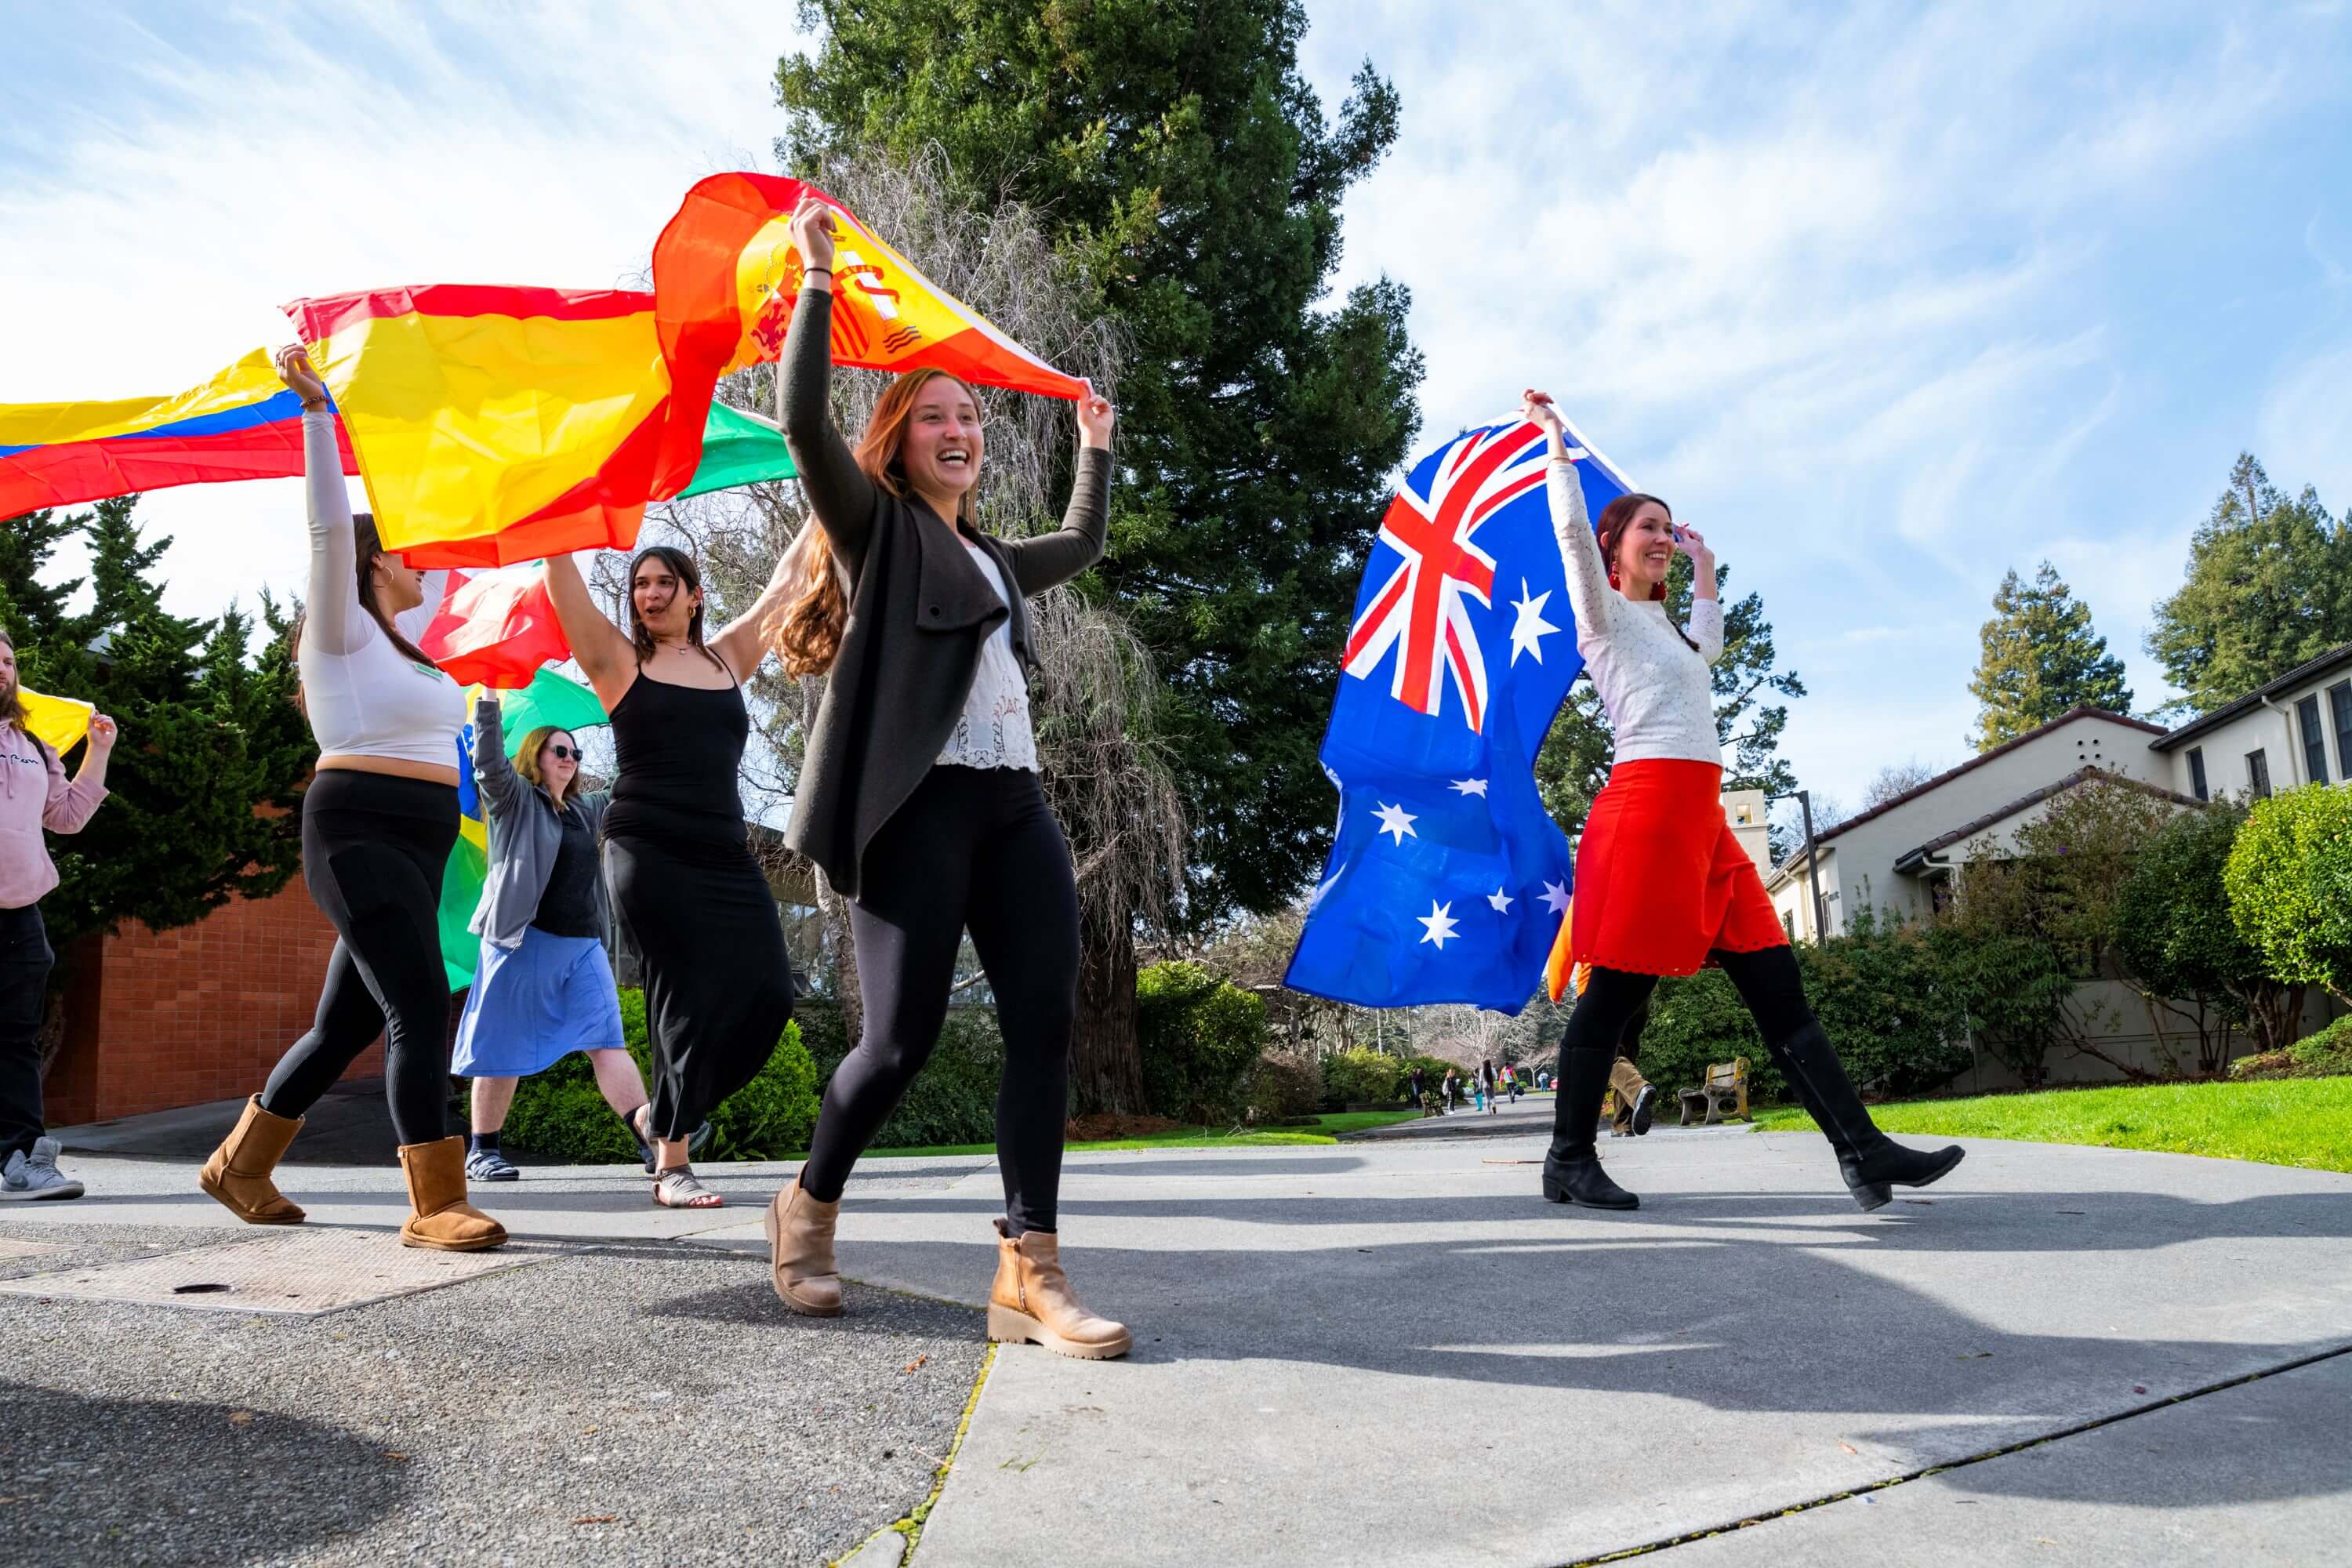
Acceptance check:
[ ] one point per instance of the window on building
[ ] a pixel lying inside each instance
(2197, 784)
(1789, 924)
(2258, 771)
(2339, 708)
(2315, 740)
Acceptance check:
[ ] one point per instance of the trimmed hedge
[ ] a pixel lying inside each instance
(560, 1116)
(1200, 1037)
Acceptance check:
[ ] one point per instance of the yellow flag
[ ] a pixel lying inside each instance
(59, 721)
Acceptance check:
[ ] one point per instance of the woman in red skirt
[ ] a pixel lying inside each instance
(1662, 885)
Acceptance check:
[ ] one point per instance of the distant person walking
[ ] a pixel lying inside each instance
(1486, 1096)
(1420, 1089)
(1453, 1091)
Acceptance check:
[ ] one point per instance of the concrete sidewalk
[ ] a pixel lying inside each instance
(1364, 1353)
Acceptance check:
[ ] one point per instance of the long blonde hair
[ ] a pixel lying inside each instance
(806, 632)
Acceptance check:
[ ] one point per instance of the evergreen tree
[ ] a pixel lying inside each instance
(1574, 762)
(203, 793)
(2041, 659)
(2269, 586)
(1180, 161)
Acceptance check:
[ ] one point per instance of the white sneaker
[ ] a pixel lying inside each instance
(37, 1175)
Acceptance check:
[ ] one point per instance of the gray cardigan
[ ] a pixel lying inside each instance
(919, 611)
(524, 836)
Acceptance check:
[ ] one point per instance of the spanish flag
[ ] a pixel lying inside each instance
(240, 423)
(496, 425)
(727, 275)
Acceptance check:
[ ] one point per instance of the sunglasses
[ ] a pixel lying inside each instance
(563, 753)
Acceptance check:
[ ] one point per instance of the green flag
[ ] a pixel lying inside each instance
(737, 448)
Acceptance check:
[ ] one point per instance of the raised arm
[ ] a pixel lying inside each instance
(839, 493)
(742, 644)
(413, 621)
(1706, 626)
(70, 805)
(1588, 594)
(501, 785)
(1057, 557)
(606, 657)
(332, 621)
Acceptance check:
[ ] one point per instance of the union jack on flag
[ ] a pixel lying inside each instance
(1446, 878)
(1423, 608)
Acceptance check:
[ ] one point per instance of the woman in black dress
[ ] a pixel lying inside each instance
(719, 989)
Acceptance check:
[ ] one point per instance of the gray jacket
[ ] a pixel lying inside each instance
(524, 836)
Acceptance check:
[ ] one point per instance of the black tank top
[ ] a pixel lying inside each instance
(677, 749)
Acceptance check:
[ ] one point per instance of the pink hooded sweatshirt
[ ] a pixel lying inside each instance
(34, 794)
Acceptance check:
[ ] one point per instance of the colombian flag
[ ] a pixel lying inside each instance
(725, 276)
(496, 425)
(242, 424)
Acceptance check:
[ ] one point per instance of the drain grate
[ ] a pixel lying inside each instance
(300, 1274)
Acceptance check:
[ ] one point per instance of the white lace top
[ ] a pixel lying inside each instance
(1656, 688)
(993, 731)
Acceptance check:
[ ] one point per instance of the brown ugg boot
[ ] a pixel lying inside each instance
(1031, 1300)
(444, 1220)
(238, 1174)
(800, 1253)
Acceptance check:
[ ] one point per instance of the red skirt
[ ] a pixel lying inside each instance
(1660, 880)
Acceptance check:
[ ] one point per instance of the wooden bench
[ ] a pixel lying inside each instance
(1722, 1097)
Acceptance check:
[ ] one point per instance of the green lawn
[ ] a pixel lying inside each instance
(1323, 1131)
(2290, 1121)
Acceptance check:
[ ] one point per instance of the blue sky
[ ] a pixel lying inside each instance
(1887, 300)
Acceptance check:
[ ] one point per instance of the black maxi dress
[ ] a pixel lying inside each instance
(718, 987)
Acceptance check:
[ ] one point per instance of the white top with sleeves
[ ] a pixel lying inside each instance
(993, 730)
(1657, 691)
(364, 697)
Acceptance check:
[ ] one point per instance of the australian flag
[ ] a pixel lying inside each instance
(1447, 878)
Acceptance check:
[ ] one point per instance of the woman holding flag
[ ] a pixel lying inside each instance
(1663, 887)
(719, 988)
(378, 821)
(921, 796)
(544, 987)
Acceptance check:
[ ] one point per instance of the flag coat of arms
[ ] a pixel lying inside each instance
(1447, 878)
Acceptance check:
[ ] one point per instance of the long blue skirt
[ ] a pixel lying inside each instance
(533, 1005)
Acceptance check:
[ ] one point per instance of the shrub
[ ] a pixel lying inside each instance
(560, 1115)
(1283, 1084)
(2290, 882)
(1359, 1077)
(2325, 1054)
(951, 1101)
(2174, 931)
(1200, 1034)
(1698, 1019)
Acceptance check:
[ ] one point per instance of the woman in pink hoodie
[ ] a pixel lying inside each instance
(34, 794)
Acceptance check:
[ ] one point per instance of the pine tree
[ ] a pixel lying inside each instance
(203, 799)
(2269, 586)
(1178, 158)
(2040, 660)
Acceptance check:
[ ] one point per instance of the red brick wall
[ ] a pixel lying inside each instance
(196, 1014)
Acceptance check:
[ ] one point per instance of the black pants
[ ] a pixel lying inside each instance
(1614, 1003)
(978, 849)
(24, 964)
(374, 848)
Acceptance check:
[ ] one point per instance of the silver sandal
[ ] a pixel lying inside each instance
(679, 1188)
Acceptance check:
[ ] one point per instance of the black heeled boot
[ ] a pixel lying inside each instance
(1571, 1171)
(1870, 1160)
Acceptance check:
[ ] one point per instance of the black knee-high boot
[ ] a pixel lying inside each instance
(1572, 1172)
(1870, 1160)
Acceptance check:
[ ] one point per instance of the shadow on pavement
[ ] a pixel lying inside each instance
(95, 1479)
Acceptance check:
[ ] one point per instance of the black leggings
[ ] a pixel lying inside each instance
(25, 964)
(975, 848)
(1605, 1019)
(373, 847)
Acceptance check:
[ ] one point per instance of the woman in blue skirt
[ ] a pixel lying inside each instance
(544, 988)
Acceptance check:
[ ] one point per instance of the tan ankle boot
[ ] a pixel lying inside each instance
(800, 1253)
(1031, 1301)
(238, 1174)
(444, 1220)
